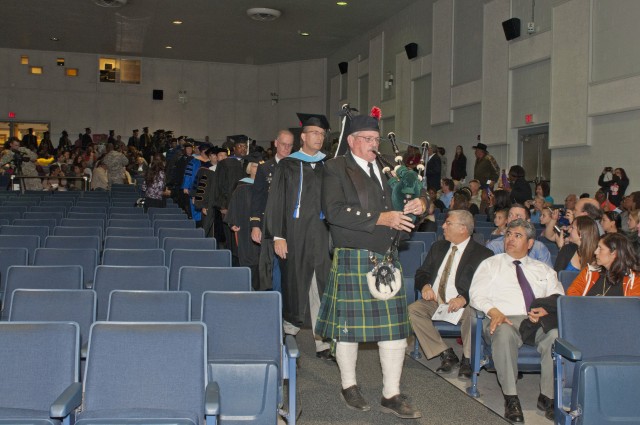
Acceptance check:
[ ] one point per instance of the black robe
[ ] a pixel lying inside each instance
(247, 251)
(230, 171)
(260, 192)
(294, 213)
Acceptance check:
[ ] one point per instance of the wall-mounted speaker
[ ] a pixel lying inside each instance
(158, 94)
(344, 67)
(412, 50)
(511, 28)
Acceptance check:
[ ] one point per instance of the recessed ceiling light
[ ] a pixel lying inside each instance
(54, 38)
(304, 33)
(263, 14)
(176, 22)
(342, 3)
(168, 47)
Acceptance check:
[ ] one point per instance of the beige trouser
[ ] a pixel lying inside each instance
(420, 313)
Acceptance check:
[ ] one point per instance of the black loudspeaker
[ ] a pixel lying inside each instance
(511, 28)
(344, 67)
(412, 50)
(158, 94)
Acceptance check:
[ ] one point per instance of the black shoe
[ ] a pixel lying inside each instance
(465, 368)
(512, 409)
(449, 360)
(399, 406)
(325, 355)
(546, 405)
(354, 399)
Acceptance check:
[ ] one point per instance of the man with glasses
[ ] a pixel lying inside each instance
(507, 288)
(269, 267)
(445, 278)
(356, 199)
(295, 223)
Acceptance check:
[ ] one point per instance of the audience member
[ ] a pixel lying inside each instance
(486, 168)
(447, 282)
(155, 186)
(614, 183)
(446, 185)
(578, 247)
(612, 222)
(476, 196)
(520, 189)
(505, 288)
(500, 220)
(443, 162)
(616, 274)
(537, 249)
(543, 189)
(100, 178)
(459, 165)
(433, 166)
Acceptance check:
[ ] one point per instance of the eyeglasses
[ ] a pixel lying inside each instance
(370, 139)
(316, 133)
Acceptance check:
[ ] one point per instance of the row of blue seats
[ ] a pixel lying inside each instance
(87, 260)
(91, 237)
(133, 364)
(24, 226)
(194, 279)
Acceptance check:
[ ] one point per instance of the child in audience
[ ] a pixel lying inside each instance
(500, 220)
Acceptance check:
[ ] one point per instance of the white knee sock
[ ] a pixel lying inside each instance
(347, 357)
(391, 359)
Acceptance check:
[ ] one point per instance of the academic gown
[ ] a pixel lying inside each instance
(294, 213)
(247, 251)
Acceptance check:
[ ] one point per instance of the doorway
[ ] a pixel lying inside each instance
(536, 156)
(19, 129)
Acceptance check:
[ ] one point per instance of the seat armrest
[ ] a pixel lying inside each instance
(84, 349)
(70, 399)
(212, 399)
(567, 350)
(291, 346)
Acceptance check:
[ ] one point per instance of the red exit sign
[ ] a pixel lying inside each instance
(12, 114)
(529, 119)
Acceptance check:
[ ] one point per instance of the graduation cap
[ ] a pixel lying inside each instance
(238, 138)
(316, 120)
(255, 157)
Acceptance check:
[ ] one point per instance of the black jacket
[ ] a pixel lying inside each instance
(473, 255)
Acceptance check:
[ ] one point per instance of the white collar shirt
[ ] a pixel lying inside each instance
(495, 284)
(450, 289)
(365, 167)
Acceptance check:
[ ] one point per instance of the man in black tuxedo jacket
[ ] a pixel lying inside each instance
(445, 278)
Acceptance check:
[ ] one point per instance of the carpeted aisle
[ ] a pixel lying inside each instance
(440, 402)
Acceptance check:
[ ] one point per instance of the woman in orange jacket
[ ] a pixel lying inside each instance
(617, 274)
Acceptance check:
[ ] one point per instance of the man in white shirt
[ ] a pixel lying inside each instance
(503, 288)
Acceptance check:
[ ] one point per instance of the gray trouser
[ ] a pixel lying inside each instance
(505, 342)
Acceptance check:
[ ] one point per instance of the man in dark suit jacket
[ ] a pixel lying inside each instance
(433, 171)
(445, 277)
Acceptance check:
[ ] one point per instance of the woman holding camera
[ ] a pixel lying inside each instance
(579, 245)
(616, 273)
(614, 183)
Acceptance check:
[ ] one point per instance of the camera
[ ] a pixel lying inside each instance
(559, 232)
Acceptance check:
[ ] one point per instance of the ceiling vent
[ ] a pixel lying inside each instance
(111, 3)
(263, 14)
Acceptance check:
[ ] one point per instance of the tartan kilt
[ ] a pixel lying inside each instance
(349, 313)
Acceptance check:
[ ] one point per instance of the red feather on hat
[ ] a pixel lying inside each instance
(376, 113)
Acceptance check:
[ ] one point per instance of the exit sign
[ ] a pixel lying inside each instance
(12, 114)
(529, 119)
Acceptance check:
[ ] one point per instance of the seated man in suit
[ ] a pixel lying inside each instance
(507, 287)
(445, 277)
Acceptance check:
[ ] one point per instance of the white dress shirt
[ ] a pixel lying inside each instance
(365, 167)
(450, 290)
(495, 284)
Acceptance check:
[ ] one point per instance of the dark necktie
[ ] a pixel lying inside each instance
(527, 292)
(373, 175)
(442, 285)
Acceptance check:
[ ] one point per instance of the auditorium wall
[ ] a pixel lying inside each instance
(222, 99)
(578, 75)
